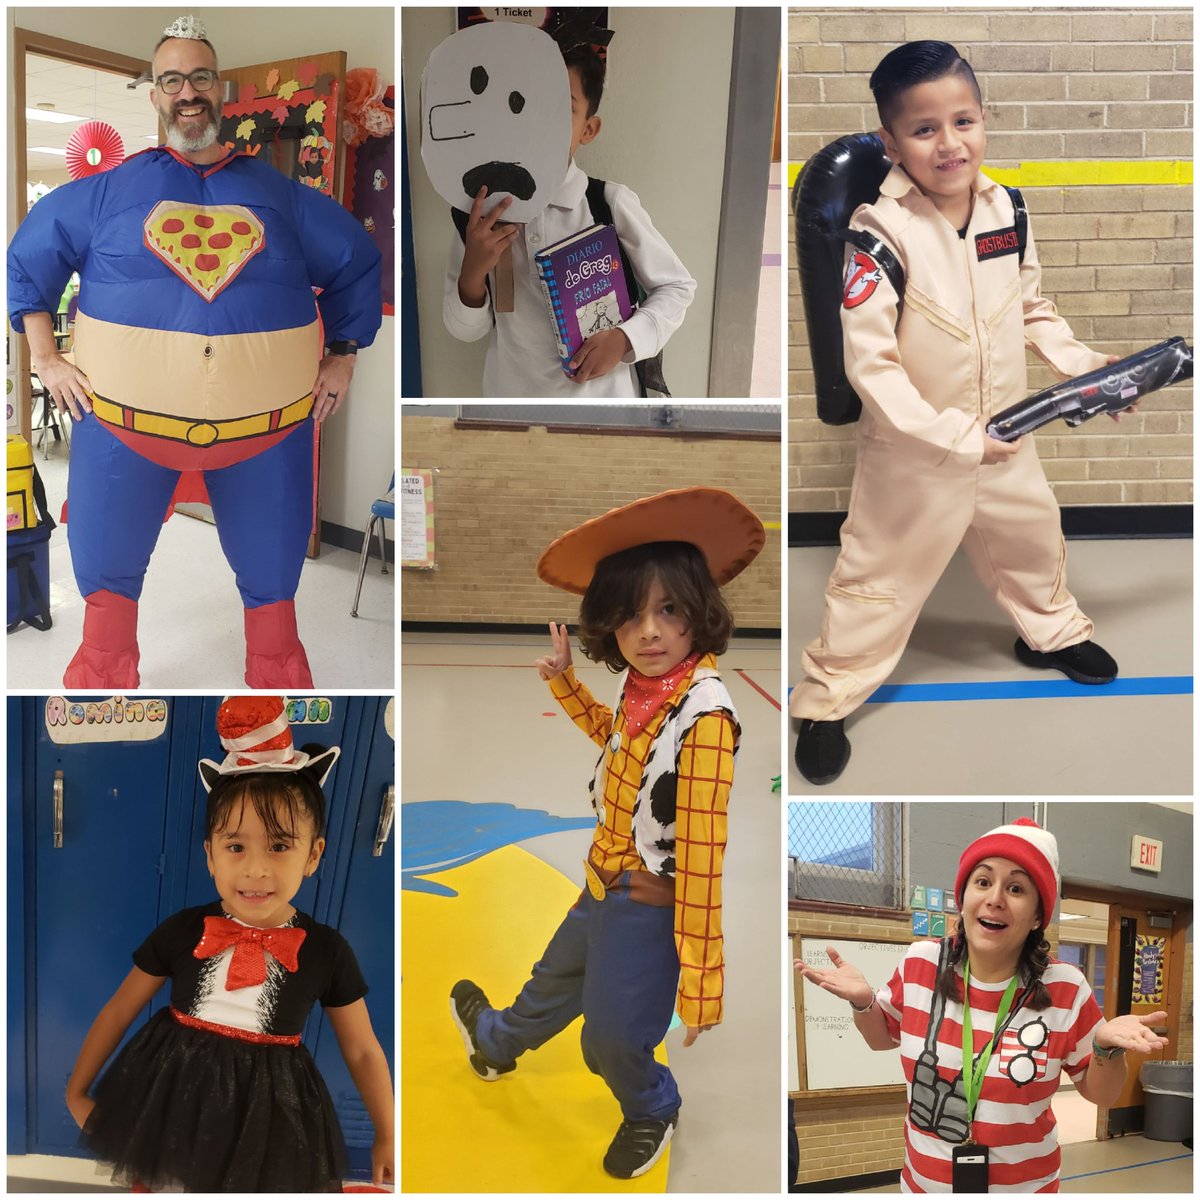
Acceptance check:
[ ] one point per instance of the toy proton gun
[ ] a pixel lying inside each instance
(1111, 389)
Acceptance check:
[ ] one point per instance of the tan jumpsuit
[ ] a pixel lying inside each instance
(958, 353)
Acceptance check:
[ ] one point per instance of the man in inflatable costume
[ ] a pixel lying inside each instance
(198, 347)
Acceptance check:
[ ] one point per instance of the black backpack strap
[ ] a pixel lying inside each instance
(881, 252)
(1020, 219)
(649, 371)
(32, 607)
(39, 500)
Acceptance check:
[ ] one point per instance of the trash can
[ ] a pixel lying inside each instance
(1168, 1088)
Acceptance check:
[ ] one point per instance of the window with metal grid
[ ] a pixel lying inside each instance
(847, 852)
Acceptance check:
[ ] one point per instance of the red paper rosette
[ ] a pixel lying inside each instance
(94, 147)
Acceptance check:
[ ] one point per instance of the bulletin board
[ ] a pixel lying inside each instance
(418, 547)
(828, 1051)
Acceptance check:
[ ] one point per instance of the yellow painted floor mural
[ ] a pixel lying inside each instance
(542, 1128)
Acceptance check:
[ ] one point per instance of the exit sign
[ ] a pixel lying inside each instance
(1146, 854)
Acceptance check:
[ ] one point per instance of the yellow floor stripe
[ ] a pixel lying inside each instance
(545, 1126)
(1076, 174)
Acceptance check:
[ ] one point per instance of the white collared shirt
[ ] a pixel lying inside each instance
(522, 356)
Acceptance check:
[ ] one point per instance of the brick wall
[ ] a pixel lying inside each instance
(1059, 86)
(502, 496)
(862, 1134)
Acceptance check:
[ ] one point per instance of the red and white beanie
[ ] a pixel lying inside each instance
(1031, 847)
(256, 736)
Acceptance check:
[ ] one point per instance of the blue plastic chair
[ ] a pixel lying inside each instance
(382, 511)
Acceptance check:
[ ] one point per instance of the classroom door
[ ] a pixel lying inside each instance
(1145, 975)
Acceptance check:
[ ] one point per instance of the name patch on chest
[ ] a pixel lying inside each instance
(996, 243)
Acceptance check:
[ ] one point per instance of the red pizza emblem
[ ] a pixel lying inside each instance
(205, 245)
(863, 274)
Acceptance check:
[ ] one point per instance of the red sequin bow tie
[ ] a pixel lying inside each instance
(250, 949)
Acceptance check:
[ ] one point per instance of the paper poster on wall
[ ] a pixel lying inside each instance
(917, 897)
(1149, 954)
(74, 722)
(417, 545)
(920, 924)
(948, 901)
(937, 925)
(934, 897)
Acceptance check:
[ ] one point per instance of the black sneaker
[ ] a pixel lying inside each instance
(638, 1146)
(1085, 662)
(467, 1001)
(822, 750)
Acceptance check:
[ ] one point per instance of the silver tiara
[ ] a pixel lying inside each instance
(186, 27)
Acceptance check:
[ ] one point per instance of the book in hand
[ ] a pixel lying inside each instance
(583, 279)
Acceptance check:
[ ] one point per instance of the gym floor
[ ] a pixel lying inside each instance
(960, 715)
(190, 624)
(495, 825)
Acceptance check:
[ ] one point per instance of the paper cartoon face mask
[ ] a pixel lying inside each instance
(496, 111)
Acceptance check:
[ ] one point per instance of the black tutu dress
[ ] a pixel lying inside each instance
(216, 1093)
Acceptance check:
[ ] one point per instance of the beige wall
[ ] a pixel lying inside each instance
(357, 445)
(673, 63)
(502, 496)
(1062, 86)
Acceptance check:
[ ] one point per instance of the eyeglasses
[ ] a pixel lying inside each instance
(171, 82)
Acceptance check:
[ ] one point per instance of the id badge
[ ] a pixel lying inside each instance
(970, 1171)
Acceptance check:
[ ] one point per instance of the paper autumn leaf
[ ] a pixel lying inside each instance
(272, 79)
(281, 113)
(247, 93)
(287, 90)
(323, 85)
(306, 73)
(246, 128)
(316, 111)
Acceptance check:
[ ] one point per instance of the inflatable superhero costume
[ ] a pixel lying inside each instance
(199, 333)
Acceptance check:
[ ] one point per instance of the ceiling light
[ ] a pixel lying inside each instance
(60, 151)
(51, 115)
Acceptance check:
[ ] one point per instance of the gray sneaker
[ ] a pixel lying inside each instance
(467, 1001)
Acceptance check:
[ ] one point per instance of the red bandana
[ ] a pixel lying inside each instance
(644, 696)
(250, 949)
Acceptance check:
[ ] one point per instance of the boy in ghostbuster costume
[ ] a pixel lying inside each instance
(197, 344)
(645, 935)
(931, 367)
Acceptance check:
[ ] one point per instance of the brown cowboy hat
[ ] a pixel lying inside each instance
(716, 522)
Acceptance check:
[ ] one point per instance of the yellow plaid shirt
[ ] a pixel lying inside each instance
(705, 771)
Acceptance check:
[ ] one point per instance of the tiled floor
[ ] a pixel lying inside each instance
(190, 625)
(1138, 593)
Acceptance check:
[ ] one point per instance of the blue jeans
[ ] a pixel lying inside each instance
(615, 962)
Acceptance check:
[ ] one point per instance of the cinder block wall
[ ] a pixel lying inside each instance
(1063, 86)
(502, 496)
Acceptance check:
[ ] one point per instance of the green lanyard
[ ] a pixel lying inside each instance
(973, 1072)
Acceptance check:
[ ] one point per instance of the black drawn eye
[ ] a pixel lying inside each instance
(516, 101)
(479, 79)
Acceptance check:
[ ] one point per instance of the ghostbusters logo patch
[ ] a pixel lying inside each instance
(863, 274)
(206, 245)
(996, 243)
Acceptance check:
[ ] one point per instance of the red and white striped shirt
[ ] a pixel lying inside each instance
(1013, 1117)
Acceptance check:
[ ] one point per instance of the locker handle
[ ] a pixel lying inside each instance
(385, 820)
(58, 810)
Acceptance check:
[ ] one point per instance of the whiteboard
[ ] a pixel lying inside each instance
(835, 1054)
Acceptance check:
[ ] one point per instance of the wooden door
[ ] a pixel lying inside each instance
(289, 113)
(1145, 975)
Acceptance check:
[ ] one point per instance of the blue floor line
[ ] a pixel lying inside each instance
(1028, 689)
(1154, 1162)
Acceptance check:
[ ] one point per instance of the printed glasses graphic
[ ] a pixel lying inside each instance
(171, 82)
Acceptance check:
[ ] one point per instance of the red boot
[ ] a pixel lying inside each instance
(274, 656)
(108, 656)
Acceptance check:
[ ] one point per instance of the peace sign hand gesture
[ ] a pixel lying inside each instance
(559, 659)
(844, 980)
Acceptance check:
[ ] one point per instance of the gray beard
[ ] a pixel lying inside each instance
(191, 142)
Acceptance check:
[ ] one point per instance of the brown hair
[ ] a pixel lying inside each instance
(281, 799)
(1035, 958)
(621, 584)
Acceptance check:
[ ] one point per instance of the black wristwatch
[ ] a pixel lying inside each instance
(342, 348)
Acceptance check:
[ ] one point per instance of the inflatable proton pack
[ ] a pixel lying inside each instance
(833, 183)
(1111, 389)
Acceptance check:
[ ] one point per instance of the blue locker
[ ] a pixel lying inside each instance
(106, 841)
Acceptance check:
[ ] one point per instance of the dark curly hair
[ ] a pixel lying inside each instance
(592, 71)
(281, 799)
(621, 584)
(1035, 958)
(910, 65)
